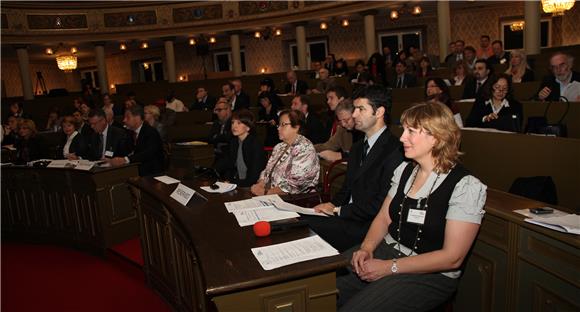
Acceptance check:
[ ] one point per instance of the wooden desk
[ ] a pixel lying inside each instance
(198, 258)
(183, 158)
(84, 209)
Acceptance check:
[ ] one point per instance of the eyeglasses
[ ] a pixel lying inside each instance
(217, 110)
(284, 124)
(498, 89)
(560, 66)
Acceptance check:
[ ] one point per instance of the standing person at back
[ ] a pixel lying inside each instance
(370, 167)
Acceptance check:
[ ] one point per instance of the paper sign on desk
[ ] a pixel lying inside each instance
(166, 179)
(267, 213)
(182, 194)
(279, 255)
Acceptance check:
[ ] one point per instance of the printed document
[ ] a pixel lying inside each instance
(247, 217)
(279, 255)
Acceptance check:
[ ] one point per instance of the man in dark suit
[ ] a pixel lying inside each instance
(403, 79)
(84, 129)
(203, 101)
(242, 97)
(370, 169)
(106, 141)
(500, 56)
(560, 80)
(148, 146)
(313, 127)
(479, 85)
(236, 102)
(220, 134)
(295, 86)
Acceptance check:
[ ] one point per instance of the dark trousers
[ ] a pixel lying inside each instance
(342, 234)
(401, 292)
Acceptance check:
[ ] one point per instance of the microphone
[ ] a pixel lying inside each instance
(285, 225)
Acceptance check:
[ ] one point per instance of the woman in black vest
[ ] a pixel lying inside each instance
(413, 254)
(246, 158)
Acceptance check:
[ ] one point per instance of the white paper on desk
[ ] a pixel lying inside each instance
(267, 213)
(279, 255)
(222, 187)
(59, 163)
(86, 165)
(182, 194)
(246, 204)
(569, 223)
(279, 203)
(166, 179)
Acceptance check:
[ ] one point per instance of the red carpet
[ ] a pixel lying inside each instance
(131, 250)
(51, 278)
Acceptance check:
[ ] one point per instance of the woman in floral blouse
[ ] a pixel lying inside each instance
(293, 167)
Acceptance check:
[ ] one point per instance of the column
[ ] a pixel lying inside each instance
(301, 47)
(444, 28)
(170, 58)
(236, 53)
(24, 65)
(532, 14)
(370, 34)
(102, 67)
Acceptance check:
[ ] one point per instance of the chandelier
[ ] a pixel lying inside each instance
(557, 7)
(517, 26)
(66, 62)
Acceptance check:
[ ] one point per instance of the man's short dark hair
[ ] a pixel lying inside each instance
(485, 36)
(97, 112)
(460, 41)
(401, 62)
(487, 66)
(304, 99)
(136, 110)
(230, 85)
(340, 91)
(498, 42)
(377, 95)
(469, 48)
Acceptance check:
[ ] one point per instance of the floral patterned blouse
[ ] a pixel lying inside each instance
(294, 169)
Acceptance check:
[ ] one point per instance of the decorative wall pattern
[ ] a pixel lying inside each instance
(197, 13)
(571, 26)
(127, 19)
(61, 21)
(4, 21)
(259, 7)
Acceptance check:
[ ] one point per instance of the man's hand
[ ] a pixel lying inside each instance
(330, 155)
(326, 208)
(116, 161)
(544, 93)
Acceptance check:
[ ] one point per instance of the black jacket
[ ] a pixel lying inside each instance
(79, 146)
(242, 101)
(254, 158)
(505, 121)
(148, 152)
(208, 104)
(301, 87)
(550, 82)
(220, 139)
(32, 149)
(409, 81)
(314, 130)
(117, 142)
(484, 91)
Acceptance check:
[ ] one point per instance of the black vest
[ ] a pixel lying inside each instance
(433, 229)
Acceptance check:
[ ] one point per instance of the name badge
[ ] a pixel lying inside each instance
(416, 216)
(182, 194)
(108, 153)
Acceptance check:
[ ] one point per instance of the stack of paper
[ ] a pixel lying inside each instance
(569, 223)
(250, 211)
(75, 164)
(223, 187)
(166, 179)
(275, 256)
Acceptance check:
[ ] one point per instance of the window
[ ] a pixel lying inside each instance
(316, 51)
(401, 40)
(90, 76)
(222, 61)
(151, 70)
(514, 39)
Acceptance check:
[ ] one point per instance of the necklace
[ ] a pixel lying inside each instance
(419, 231)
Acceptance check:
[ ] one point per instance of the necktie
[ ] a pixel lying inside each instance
(400, 82)
(100, 144)
(478, 86)
(294, 88)
(135, 138)
(364, 152)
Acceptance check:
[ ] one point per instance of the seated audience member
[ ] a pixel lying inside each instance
(131, 96)
(330, 64)
(295, 86)
(74, 145)
(334, 95)
(460, 72)
(451, 50)
(220, 133)
(84, 128)
(29, 146)
(519, 70)
(563, 81)
(316, 66)
(77, 103)
(339, 145)
(174, 104)
(85, 110)
(388, 57)
(152, 114)
(203, 101)
(376, 68)
(469, 57)
(359, 68)
(110, 117)
(268, 88)
(500, 111)
(478, 86)
(324, 83)
(53, 121)
(436, 90)
(313, 128)
(246, 158)
(242, 97)
(108, 104)
(370, 167)
(341, 68)
(106, 141)
(425, 68)
(485, 49)
(404, 253)
(457, 53)
(293, 167)
(268, 115)
(147, 145)
(236, 103)
(500, 56)
(403, 79)
(17, 110)
(11, 131)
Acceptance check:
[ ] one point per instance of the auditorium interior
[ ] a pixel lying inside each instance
(112, 237)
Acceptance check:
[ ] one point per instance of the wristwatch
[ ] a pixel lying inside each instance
(336, 211)
(394, 267)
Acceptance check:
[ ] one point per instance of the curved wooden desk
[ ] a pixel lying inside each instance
(198, 258)
(84, 209)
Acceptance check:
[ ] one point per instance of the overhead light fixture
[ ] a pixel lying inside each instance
(263, 70)
(323, 26)
(257, 35)
(123, 47)
(144, 45)
(49, 51)
(394, 15)
(73, 50)
(112, 86)
(557, 7)
(181, 78)
(192, 41)
(212, 39)
(416, 10)
(145, 66)
(278, 32)
(345, 23)
(517, 26)
(65, 60)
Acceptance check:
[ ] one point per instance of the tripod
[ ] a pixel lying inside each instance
(40, 84)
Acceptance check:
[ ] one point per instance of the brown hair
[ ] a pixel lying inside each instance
(437, 119)
(70, 120)
(246, 117)
(296, 118)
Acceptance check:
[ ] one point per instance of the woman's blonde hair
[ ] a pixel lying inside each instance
(437, 119)
(520, 70)
(28, 124)
(153, 110)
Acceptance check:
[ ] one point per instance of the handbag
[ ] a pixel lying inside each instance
(540, 125)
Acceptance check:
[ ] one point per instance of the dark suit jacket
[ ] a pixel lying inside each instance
(32, 149)
(86, 131)
(492, 60)
(505, 121)
(550, 82)
(409, 81)
(118, 142)
(301, 87)
(314, 129)
(242, 101)
(148, 151)
(79, 146)
(220, 140)
(208, 104)
(254, 157)
(484, 91)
